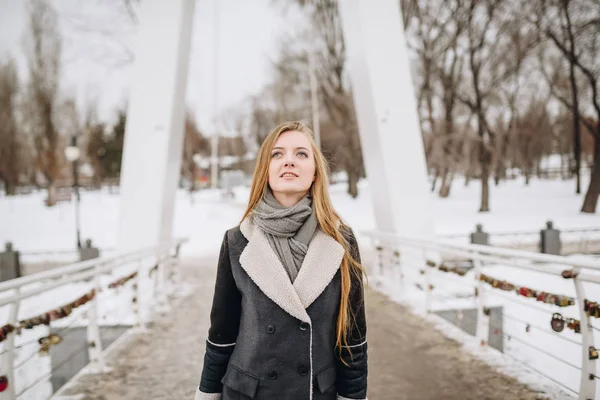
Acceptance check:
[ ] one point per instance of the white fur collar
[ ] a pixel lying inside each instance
(320, 264)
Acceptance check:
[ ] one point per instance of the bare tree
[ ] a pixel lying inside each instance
(481, 16)
(44, 53)
(335, 92)
(449, 73)
(532, 132)
(109, 30)
(95, 150)
(193, 143)
(490, 29)
(409, 9)
(521, 40)
(426, 33)
(573, 27)
(261, 118)
(447, 23)
(339, 134)
(10, 146)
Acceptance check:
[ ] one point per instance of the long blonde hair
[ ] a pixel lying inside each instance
(329, 221)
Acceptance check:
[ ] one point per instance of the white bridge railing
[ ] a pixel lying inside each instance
(122, 289)
(434, 274)
(574, 240)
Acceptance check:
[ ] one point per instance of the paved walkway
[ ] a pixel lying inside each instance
(408, 358)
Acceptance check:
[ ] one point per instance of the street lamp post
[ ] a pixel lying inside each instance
(72, 153)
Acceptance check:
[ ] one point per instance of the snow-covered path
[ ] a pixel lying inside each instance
(409, 358)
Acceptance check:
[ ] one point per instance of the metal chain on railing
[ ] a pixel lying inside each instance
(541, 329)
(501, 330)
(62, 336)
(87, 271)
(413, 255)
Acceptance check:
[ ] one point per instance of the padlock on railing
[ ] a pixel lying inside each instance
(3, 383)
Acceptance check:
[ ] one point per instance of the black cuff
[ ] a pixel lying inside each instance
(216, 359)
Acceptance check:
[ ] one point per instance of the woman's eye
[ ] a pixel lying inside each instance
(276, 154)
(303, 154)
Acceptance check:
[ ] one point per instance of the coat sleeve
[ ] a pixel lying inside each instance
(351, 376)
(224, 327)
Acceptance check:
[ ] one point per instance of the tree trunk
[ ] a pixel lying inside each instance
(577, 166)
(353, 176)
(51, 199)
(445, 190)
(192, 169)
(497, 176)
(10, 189)
(591, 196)
(449, 181)
(485, 173)
(446, 182)
(500, 170)
(576, 127)
(435, 177)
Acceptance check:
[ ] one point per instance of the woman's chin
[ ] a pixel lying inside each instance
(290, 189)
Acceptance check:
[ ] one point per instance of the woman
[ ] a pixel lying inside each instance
(288, 316)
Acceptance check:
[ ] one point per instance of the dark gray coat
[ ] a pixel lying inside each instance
(274, 339)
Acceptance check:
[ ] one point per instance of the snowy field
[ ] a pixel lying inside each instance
(515, 207)
(205, 217)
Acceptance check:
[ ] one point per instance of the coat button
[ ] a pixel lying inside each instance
(303, 370)
(303, 326)
(272, 375)
(270, 329)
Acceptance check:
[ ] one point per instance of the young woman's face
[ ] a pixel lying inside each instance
(292, 167)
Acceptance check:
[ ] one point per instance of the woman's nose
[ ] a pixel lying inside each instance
(289, 163)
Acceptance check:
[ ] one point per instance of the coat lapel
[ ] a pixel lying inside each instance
(320, 264)
(265, 269)
(260, 262)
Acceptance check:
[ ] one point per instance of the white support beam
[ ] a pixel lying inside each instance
(387, 116)
(155, 123)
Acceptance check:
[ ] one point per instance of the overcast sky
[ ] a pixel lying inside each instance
(93, 67)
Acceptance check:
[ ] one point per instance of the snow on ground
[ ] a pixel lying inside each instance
(515, 207)
(205, 216)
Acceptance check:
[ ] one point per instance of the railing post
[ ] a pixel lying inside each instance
(93, 330)
(587, 387)
(483, 318)
(160, 294)
(398, 273)
(8, 358)
(139, 313)
(428, 281)
(387, 262)
(378, 270)
(143, 285)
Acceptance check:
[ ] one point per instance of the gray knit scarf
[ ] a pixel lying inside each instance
(289, 230)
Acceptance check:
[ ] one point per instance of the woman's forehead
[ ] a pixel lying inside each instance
(292, 139)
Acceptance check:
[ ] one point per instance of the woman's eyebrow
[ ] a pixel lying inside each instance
(297, 148)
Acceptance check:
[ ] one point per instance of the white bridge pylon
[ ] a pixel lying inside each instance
(384, 99)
